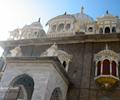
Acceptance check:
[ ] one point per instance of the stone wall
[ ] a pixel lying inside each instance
(82, 67)
(44, 72)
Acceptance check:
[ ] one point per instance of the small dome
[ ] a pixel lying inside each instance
(107, 15)
(37, 24)
(34, 30)
(83, 18)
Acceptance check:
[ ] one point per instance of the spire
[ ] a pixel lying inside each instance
(106, 46)
(39, 20)
(82, 10)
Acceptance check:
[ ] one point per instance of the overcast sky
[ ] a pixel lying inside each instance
(17, 13)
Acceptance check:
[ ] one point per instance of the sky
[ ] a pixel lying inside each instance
(17, 13)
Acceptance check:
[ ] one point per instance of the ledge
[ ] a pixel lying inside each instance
(112, 37)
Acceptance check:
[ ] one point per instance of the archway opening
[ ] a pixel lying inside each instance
(90, 29)
(60, 27)
(100, 30)
(113, 30)
(21, 88)
(106, 67)
(114, 68)
(64, 64)
(98, 68)
(56, 94)
(107, 30)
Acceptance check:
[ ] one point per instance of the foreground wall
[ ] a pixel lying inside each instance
(46, 74)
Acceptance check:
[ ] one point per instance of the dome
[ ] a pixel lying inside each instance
(34, 30)
(83, 18)
(107, 16)
(64, 16)
(37, 24)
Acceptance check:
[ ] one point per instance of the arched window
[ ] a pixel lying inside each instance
(67, 27)
(53, 28)
(90, 29)
(107, 30)
(113, 29)
(114, 68)
(64, 64)
(100, 30)
(25, 85)
(106, 67)
(98, 68)
(60, 27)
(56, 94)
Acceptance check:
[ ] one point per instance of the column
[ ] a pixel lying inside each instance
(117, 73)
(110, 67)
(96, 68)
(101, 68)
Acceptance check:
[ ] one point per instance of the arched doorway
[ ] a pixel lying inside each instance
(56, 94)
(107, 30)
(21, 88)
(101, 30)
(113, 30)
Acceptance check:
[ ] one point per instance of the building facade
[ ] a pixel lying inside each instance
(77, 59)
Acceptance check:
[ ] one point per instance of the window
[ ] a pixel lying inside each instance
(113, 29)
(90, 29)
(53, 28)
(114, 68)
(98, 68)
(106, 67)
(107, 30)
(67, 27)
(106, 72)
(64, 64)
(60, 27)
(100, 30)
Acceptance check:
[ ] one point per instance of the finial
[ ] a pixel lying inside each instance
(65, 13)
(106, 46)
(107, 12)
(82, 9)
(39, 20)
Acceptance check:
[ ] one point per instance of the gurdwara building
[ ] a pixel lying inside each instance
(77, 59)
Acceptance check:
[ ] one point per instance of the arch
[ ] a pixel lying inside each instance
(106, 67)
(114, 68)
(56, 94)
(60, 27)
(53, 28)
(25, 85)
(98, 68)
(101, 30)
(67, 27)
(90, 29)
(64, 64)
(107, 30)
(113, 30)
